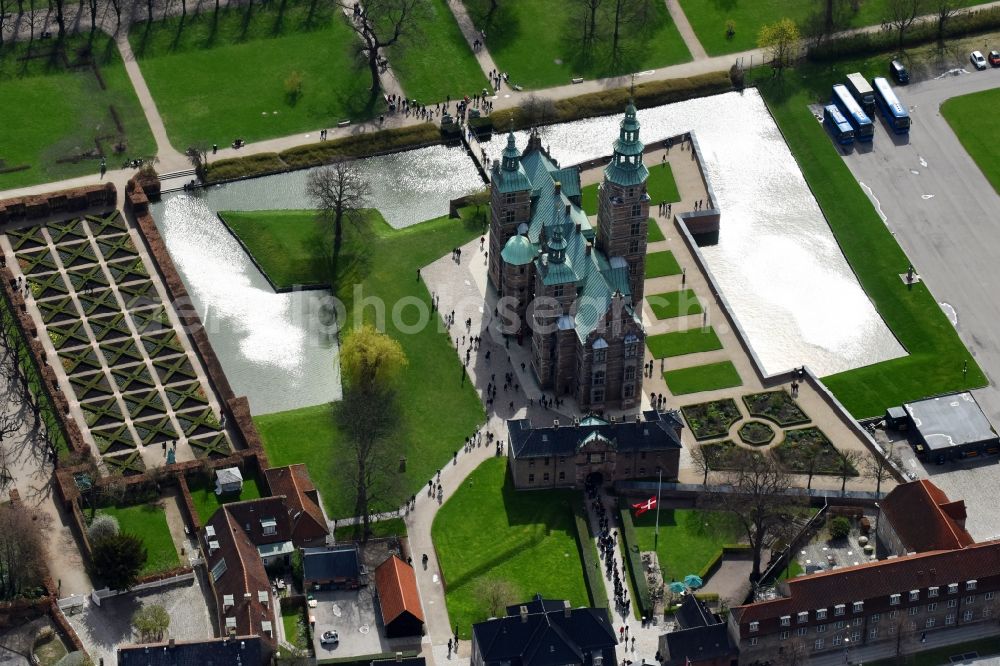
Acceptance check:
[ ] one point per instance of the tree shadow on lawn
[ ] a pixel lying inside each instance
(504, 27)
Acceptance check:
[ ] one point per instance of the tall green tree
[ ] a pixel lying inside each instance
(118, 559)
(151, 621)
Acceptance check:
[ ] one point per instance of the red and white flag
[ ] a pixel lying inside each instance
(643, 507)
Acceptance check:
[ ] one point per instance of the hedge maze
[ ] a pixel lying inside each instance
(124, 360)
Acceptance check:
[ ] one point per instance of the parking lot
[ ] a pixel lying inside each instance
(354, 614)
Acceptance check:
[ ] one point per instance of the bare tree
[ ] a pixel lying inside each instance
(847, 466)
(340, 192)
(705, 459)
(878, 467)
(198, 157)
(21, 550)
(900, 16)
(381, 24)
(496, 594)
(759, 501)
(625, 14)
(588, 19)
(943, 11)
(60, 16)
(811, 455)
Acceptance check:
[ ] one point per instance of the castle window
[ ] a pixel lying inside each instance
(636, 211)
(631, 191)
(636, 228)
(557, 291)
(508, 216)
(531, 478)
(629, 391)
(629, 373)
(599, 355)
(597, 396)
(509, 198)
(545, 477)
(521, 270)
(599, 378)
(562, 476)
(633, 247)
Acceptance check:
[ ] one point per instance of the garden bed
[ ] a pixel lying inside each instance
(776, 406)
(794, 454)
(756, 433)
(723, 455)
(709, 420)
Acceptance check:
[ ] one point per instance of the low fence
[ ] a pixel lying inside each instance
(151, 582)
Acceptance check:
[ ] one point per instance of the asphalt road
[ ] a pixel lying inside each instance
(946, 216)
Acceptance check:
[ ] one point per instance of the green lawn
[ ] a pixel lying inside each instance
(206, 502)
(384, 262)
(942, 655)
(149, 523)
(653, 232)
(660, 186)
(285, 242)
(708, 18)
(51, 113)
(487, 530)
(293, 620)
(689, 538)
(973, 120)
(675, 304)
(437, 61)
(663, 263)
(382, 528)
(936, 355)
(538, 42)
(215, 79)
(678, 343)
(702, 378)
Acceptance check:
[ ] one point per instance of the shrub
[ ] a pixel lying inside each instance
(840, 527)
(102, 526)
(630, 544)
(118, 559)
(242, 167)
(359, 145)
(591, 567)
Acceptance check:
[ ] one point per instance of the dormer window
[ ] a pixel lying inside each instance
(839, 609)
(894, 599)
(803, 617)
(754, 627)
(269, 526)
(953, 588)
(821, 614)
(914, 595)
(858, 606)
(932, 591)
(786, 620)
(970, 585)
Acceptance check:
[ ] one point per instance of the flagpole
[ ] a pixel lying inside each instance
(656, 533)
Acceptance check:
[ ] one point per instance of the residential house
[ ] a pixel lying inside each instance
(917, 517)
(238, 651)
(702, 638)
(331, 568)
(308, 522)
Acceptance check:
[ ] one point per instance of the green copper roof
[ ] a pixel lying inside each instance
(518, 251)
(508, 174)
(626, 167)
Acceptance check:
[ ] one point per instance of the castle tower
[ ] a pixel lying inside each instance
(510, 205)
(623, 214)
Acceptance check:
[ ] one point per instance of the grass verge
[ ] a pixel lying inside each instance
(678, 343)
(660, 264)
(675, 304)
(975, 123)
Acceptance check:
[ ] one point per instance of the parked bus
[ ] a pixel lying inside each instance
(864, 130)
(863, 93)
(838, 125)
(893, 111)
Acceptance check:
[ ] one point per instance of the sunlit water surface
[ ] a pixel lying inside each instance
(278, 349)
(777, 262)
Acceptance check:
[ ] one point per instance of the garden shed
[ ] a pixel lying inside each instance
(228, 480)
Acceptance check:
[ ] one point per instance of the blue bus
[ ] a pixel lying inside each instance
(893, 111)
(838, 125)
(864, 130)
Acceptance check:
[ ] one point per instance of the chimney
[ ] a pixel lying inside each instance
(567, 210)
(558, 188)
(555, 424)
(399, 656)
(172, 642)
(578, 228)
(524, 613)
(567, 609)
(590, 246)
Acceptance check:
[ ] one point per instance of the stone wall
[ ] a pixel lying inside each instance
(64, 201)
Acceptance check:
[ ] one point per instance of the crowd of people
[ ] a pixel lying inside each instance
(607, 540)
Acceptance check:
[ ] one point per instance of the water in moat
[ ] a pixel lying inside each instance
(776, 261)
(280, 350)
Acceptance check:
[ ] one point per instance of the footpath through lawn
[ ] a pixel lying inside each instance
(488, 531)
(438, 410)
(976, 123)
(539, 42)
(54, 111)
(936, 355)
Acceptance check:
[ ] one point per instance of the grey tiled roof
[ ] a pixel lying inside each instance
(246, 651)
(657, 431)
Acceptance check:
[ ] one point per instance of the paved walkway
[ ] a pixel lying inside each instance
(687, 32)
(471, 34)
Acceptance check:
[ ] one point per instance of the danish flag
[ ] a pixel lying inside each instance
(643, 507)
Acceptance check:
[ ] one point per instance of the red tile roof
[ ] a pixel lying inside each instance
(877, 580)
(243, 578)
(924, 518)
(292, 481)
(397, 589)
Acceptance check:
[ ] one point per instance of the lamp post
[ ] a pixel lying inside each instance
(878, 514)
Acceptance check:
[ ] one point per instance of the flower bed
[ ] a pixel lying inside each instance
(722, 454)
(756, 433)
(709, 420)
(794, 452)
(776, 406)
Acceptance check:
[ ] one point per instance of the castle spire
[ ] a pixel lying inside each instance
(626, 167)
(557, 245)
(511, 155)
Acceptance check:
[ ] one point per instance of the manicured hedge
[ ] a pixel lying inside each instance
(242, 167)
(591, 565)
(870, 43)
(634, 560)
(653, 93)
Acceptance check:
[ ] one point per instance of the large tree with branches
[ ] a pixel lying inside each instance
(381, 24)
(340, 192)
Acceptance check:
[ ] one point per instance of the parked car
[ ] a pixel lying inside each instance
(994, 58)
(329, 638)
(898, 72)
(977, 59)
